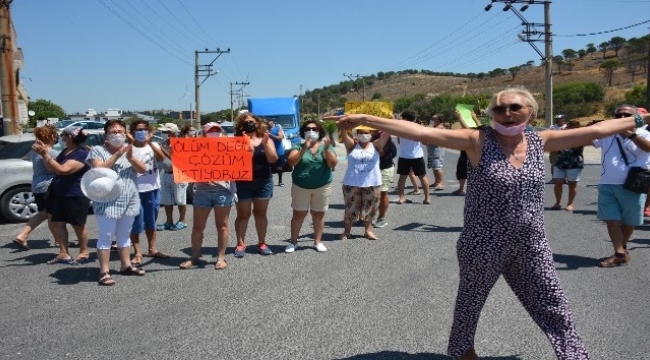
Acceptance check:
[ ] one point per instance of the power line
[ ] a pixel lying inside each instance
(171, 25)
(142, 33)
(197, 24)
(606, 31)
(158, 30)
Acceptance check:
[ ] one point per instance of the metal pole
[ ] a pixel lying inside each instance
(197, 87)
(548, 53)
(647, 83)
(232, 115)
(7, 74)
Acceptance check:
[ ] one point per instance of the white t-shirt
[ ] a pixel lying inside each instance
(410, 149)
(614, 170)
(149, 180)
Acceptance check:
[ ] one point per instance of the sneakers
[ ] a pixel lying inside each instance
(240, 251)
(615, 260)
(264, 249)
(380, 223)
(172, 227)
(320, 247)
(180, 225)
(163, 227)
(290, 248)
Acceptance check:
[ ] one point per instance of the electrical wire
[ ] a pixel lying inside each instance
(605, 31)
(141, 32)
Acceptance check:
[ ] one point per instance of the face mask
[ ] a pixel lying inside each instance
(141, 135)
(364, 138)
(509, 130)
(192, 133)
(250, 127)
(212, 134)
(313, 135)
(117, 140)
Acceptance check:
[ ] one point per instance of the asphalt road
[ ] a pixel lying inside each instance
(386, 299)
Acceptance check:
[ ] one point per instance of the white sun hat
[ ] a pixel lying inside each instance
(101, 185)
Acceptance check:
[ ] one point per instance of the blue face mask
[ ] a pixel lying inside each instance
(141, 135)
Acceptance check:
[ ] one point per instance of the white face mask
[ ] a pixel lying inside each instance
(313, 135)
(364, 138)
(191, 133)
(117, 140)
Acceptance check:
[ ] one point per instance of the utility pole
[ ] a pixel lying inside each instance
(7, 74)
(647, 82)
(531, 35)
(232, 115)
(363, 83)
(206, 72)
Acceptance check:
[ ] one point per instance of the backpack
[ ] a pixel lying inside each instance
(393, 148)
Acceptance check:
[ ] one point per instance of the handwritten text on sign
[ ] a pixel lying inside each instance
(211, 159)
(377, 108)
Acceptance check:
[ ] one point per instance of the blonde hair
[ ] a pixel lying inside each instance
(517, 91)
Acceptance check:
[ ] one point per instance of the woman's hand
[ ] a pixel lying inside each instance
(307, 144)
(347, 122)
(40, 148)
(326, 142)
(265, 139)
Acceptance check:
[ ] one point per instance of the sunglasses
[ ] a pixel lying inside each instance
(622, 115)
(501, 109)
(311, 128)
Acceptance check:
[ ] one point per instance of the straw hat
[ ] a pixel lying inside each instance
(101, 185)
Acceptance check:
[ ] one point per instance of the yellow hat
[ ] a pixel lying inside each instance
(363, 127)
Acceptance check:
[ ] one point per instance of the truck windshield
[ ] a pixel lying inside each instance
(286, 121)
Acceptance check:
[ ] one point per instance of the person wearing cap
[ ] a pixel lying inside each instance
(411, 158)
(619, 208)
(254, 196)
(149, 153)
(362, 180)
(68, 204)
(115, 209)
(277, 135)
(560, 124)
(214, 195)
(567, 169)
(173, 193)
(436, 156)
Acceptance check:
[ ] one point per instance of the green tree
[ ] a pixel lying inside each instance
(591, 49)
(604, 46)
(569, 54)
(578, 99)
(636, 96)
(582, 53)
(616, 43)
(513, 71)
(608, 67)
(45, 109)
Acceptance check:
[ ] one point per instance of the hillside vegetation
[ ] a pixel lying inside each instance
(618, 67)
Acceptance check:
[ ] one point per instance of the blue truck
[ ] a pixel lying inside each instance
(284, 111)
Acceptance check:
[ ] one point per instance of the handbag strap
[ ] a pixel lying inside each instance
(620, 147)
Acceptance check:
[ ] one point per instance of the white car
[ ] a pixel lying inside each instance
(16, 199)
(86, 124)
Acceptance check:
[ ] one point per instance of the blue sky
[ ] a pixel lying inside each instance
(139, 54)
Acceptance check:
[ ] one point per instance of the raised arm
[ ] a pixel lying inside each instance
(347, 139)
(461, 139)
(568, 138)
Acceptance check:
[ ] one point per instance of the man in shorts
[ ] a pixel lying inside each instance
(411, 158)
(171, 193)
(436, 156)
(619, 208)
(387, 168)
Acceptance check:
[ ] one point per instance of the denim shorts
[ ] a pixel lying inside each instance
(149, 205)
(219, 197)
(617, 203)
(567, 174)
(259, 189)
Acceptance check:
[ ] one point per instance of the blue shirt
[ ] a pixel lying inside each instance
(42, 176)
(279, 148)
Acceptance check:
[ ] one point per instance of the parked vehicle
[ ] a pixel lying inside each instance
(86, 124)
(283, 111)
(16, 169)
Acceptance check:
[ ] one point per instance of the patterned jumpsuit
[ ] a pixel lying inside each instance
(504, 234)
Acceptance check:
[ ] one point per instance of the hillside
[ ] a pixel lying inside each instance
(631, 71)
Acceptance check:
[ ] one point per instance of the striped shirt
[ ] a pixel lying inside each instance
(128, 203)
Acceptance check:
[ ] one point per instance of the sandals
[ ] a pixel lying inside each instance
(370, 236)
(56, 260)
(414, 193)
(556, 207)
(132, 270)
(22, 244)
(158, 255)
(137, 260)
(220, 264)
(105, 279)
(187, 264)
(345, 236)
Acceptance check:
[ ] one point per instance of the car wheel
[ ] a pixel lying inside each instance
(18, 205)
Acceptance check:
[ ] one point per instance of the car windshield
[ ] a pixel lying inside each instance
(286, 121)
(14, 150)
